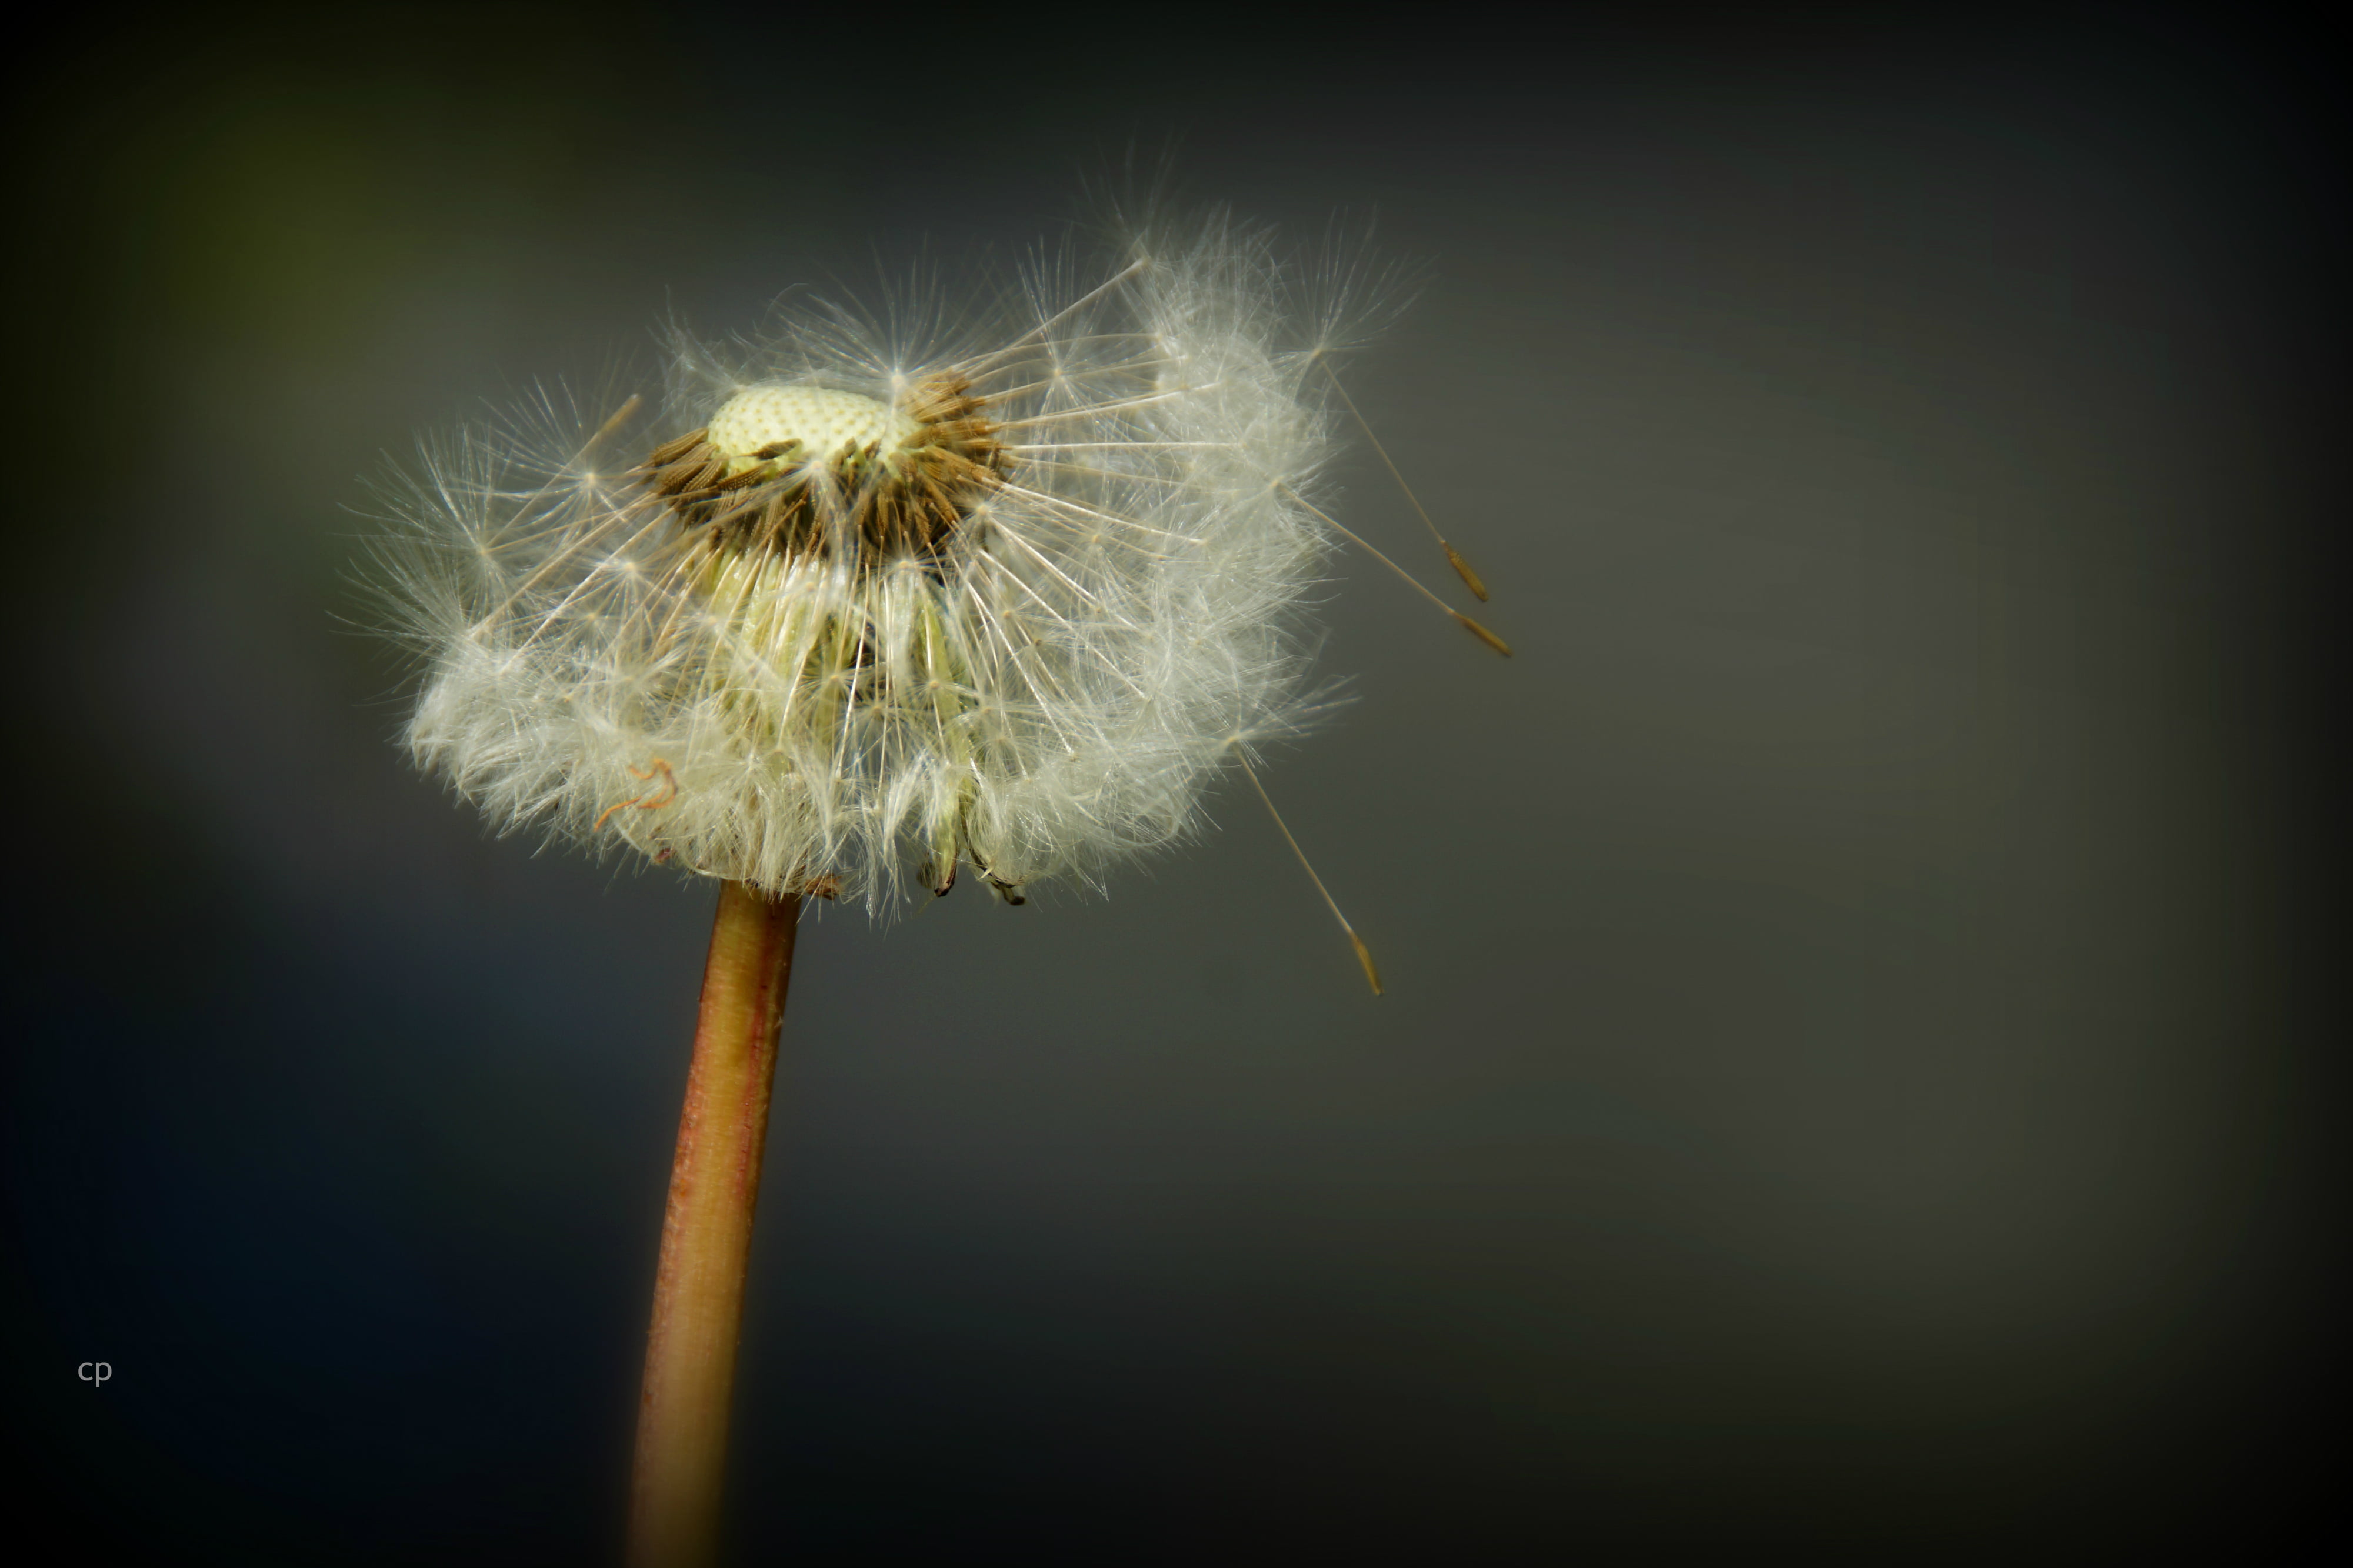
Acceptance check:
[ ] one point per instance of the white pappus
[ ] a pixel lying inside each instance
(869, 605)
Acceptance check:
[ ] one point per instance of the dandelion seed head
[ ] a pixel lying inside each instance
(871, 602)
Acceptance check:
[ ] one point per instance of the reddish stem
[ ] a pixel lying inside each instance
(714, 1183)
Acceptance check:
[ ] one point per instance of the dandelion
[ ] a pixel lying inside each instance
(870, 604)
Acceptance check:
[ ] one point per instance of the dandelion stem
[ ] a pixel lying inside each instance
(714, 1183)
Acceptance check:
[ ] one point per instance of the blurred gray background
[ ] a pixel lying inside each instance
(1844, 1088)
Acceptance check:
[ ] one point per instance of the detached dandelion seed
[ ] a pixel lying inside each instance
(864, 609)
